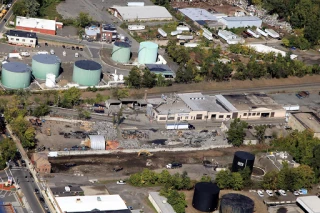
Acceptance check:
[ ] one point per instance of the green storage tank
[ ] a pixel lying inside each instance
(43, 64)
(121, 52)
(86, 73)
(148, 52)
(15, 75)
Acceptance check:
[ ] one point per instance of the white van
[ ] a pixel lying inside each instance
(25, 54)
(43, 52)
(76, 55)
(52, 52)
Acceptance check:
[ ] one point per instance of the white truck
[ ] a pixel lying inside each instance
(180, 126)
(53, 154)
(173, 165)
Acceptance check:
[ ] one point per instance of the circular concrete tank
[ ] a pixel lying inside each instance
(121, 52)
(15, 75)
(148, 52)
(43, 64)
(86, 73)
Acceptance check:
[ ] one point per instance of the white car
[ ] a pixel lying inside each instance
(269, 192)
(260, 193)
(121, 182)
(282, 192)
(9, 5)
(296, 193)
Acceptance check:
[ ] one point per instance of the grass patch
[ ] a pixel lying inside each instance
(50, 12)
(150, 205)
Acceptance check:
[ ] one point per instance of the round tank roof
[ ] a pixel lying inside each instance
(121, 44)
(207, 187)
(16, 67)
(245, 155)
(46, 58)
(87, 65)
(149, 44)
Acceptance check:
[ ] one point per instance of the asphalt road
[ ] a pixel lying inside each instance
(28, 186)
(9, 13)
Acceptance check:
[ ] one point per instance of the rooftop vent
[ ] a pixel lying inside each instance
(98, 198)
(67, 188)
(78, 200)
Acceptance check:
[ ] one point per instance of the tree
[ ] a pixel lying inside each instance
(246, 176)
(20, 8)
(83, 114)
(71, 97)
(236, 132)
(260, 132)
(270, 180)
(148, 79)
(7, 149)
(41, 110)
(32, 7)
(305, 176)
(120, 93)
(221, 71)
(224, 179)
(134, 78)
(83, 20)
(161, 81)
(205, 178)
(184, 75)
(237, 181)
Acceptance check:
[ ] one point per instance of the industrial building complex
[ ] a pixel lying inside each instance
(196, 106)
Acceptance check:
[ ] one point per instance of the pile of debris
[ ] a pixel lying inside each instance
(134, 134)
(106, 129)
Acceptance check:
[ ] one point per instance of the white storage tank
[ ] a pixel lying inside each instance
(97, 142)
(50, 80)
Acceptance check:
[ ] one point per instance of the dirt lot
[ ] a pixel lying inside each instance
(101, 166)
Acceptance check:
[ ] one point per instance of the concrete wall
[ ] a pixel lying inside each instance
(154, 204)
(295, 123)
(44, 31)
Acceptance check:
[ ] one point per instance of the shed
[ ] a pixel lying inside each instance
(161, 69)
(113, 102)
(97, 142)
(128, 101)
(241, 21)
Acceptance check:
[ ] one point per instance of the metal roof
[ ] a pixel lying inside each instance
(158, 67)
(97, 142)
(164, 206)
(310, 203)
(144, 12)
(242, 18)
(46, 59)
(197, 14)
(224, 102)
(22, 34)
(122, 44)
(35, 23)
(16, 67)
(88, 65)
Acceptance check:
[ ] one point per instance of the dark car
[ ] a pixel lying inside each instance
(81, 49)
(36, 191)
(73, 48)
(63, 46)
(117, 169)
(77, 48)
(46, 44)
(5, 20)
(41, 199)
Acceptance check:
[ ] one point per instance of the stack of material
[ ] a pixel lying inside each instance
(112, 145)
(106, 129)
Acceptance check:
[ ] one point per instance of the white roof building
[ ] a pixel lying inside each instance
(35, 23)
(230, 37)
(261, 48)
(97, 142)
(89, 203)
(197, 14)
(141, 13)
(309, 203)
(160, 203)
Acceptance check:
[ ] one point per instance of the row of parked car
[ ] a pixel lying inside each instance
(281, 192)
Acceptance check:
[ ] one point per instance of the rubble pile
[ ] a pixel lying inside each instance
(106, 129)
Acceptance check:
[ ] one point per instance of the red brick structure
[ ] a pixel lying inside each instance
(41, 163)
(37, 25)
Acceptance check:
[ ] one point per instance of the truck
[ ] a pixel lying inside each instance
(177, 32)
(184, 37)
(136, 27)
(53, 154)
(162, 32)
(173, 165)
(179, 126)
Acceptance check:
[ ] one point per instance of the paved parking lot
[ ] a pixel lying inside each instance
(292, 99)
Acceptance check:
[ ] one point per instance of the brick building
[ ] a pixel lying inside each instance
(41, 163)
(38, 25)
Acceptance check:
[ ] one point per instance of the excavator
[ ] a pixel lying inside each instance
(144, 152)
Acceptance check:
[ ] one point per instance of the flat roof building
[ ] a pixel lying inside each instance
(23, 38)
(96, 203)
(44, 26)
(305, 120)
(241, 21)
(65, 191)
(158, 203)
(261, 48)
(197, 14)
(161, 69)
(196, 106)
(140, 13)
(309, 204)
(230, 37)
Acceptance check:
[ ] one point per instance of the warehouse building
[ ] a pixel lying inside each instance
(309, 204)
(241, 21)
(22, 38)
(261, 48)
(196, 106)
(198, 14)
(161, 69)
(160, 203)
(230, 37)
(92, 204)
(141, 13)
(305, 121)
(38, 25)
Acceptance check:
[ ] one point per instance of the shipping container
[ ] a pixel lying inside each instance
(272, 33)
(210, 38)
(184, 37)
(262, 32)
(177, 32)
(177, 126)
(162, 32)
(183, 28)
(136, 27)
(252, 33)
(206, 31)
(191, 44)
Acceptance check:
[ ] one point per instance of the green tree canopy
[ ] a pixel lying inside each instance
(134, 78)
(236, 132)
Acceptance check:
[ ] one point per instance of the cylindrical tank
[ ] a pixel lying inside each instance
(50, 80)
(43, 64)
(242, 160)
(86, 73)
(15, 75)
(148, 52)
(236, 203)
(205, 197)
(121, 52)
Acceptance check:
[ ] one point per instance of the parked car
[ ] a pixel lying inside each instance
(282, 192)
(41, 199)
(130, 207)
(77, 48)
(81, 49)
(260, 193)
(296, 193)
(121, 182)
(63, 46)
(36, 191)
(72, 48)
(269, 192)
(173, 165)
